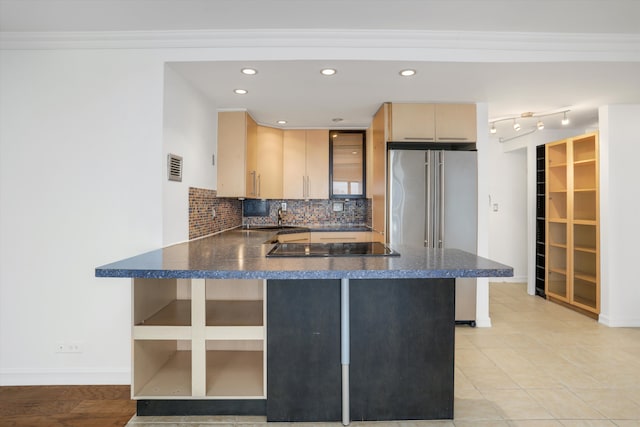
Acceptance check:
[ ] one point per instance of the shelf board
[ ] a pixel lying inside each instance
(584, 222)
(176, 313)
(558, 245)
(559, 271)
(585, 277)
(587, 249)
(235, 374)
(557, 165)
(585, 162)
(584, 190)
(171, 381)
(553, 190)
(558, 220)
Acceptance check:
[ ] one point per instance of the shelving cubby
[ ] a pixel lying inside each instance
(197, 338)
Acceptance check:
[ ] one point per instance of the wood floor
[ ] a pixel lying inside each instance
(68, 406)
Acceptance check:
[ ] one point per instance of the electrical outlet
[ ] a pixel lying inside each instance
(283, 206)
(213, 213)
(68, 347)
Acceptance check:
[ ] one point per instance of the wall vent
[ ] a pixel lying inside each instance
(174, 167)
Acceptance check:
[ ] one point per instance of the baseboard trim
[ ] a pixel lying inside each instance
(19, 377)
(619, 323)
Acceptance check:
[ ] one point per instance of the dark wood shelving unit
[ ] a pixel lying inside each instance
(540, 220)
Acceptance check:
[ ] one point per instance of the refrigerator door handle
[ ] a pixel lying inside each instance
(428, 226)
(441, 167)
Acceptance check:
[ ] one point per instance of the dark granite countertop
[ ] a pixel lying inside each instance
(240, 254)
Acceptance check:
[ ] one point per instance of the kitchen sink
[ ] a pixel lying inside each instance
(270, 227)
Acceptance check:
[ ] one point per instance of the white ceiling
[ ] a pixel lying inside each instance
(295, 91)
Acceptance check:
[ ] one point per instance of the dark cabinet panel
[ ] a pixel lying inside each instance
(303, 350)
(402, 349)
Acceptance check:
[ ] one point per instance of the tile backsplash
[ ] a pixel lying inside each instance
(202, 202)
(305, 212)
(201, 205)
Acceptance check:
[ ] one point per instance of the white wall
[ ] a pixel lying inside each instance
(190, 131)
(508, 224)
(619, 207)
(80, 150)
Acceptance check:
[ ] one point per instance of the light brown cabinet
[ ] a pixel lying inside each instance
(306, 164)
(572, 223)
(377, 186)
(237, 155)
(249, 157)
(445, 123)
(269, 163)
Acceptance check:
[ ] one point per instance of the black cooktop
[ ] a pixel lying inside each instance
(331, 249)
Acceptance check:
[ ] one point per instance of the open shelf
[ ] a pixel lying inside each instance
(584, 177)
(234, 313)
(557, 178)
(176, 313)
(198, 338)
(161, 369)
(235, 374)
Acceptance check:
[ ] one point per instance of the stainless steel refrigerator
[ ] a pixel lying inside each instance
(433, 202)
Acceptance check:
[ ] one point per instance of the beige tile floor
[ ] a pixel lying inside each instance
(540, 365)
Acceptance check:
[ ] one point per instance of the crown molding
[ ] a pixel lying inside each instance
(465, 46)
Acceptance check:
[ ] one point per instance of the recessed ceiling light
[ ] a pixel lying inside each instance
(249, 71)
(328, 71)
(282, 122)
(240, 91)
(408, 72)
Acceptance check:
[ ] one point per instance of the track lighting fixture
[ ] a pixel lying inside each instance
(520, 121)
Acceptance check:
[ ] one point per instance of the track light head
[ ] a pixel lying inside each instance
(540, 125)
(493, 128)
(565, 119)
(516, 125)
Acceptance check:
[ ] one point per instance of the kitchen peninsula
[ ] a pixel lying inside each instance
(220, 328)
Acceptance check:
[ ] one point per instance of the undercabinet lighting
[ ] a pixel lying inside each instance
(328, 71)
(241, 91)
(408, 72)
(249, 71)
(516, 125)
(565, 119)
(282, 122)
(540, 125)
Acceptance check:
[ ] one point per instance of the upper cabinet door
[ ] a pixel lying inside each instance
(294, 174)
(412, 123)
(269, 161)
(306, 164)
(456, 123)
(318, 164)
(237, 136)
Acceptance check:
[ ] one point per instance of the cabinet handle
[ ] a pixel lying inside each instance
(304, 186)
(417, 138)
(308, 185)
(253, 183)
(258, 191)
(452, 138)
